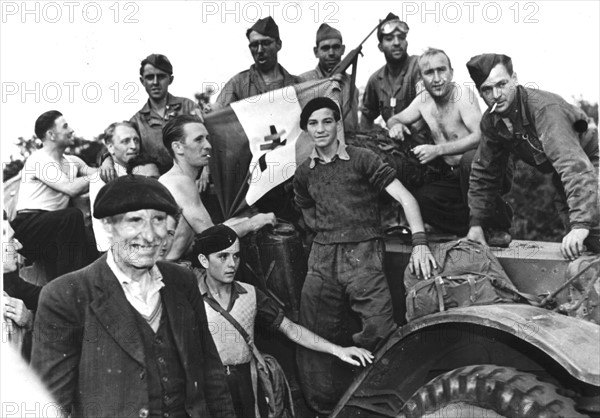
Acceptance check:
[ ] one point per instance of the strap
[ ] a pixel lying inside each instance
(473, 289)
(213, 304)
(410, 306)
(439, 286)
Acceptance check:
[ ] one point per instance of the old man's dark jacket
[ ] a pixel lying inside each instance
(89, 352)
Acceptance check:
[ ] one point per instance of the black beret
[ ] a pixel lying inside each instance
(266, 27)
(214, 239)
(316, 104)
(159, 61)
(130, 193)
(480, 66)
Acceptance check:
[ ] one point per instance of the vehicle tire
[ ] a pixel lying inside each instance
(486, 391)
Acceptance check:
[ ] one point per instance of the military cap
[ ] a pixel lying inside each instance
(480, 66)
(214, 239)
(327, 32)
(266, 27)
(389, 25)
(130, 193)
(316, 104)
(159, 61)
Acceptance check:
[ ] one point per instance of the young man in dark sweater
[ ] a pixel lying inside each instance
(345, 297)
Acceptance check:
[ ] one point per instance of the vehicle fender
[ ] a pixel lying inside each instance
(404, 360)
(572, 342)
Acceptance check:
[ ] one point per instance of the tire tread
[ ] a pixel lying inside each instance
(507, 391)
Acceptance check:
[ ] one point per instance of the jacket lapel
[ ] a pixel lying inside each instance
(115, 313)
(180, 320)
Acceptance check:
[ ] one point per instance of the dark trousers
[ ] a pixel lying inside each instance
(443, 199)
(345, 299)
(239, 380)
(55, 238)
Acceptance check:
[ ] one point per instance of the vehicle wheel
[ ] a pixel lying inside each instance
(489, 391)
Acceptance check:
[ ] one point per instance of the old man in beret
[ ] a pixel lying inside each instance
(266, 74)
(544, 131)
(127, 335)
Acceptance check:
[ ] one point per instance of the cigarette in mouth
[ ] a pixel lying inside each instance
(494, 107)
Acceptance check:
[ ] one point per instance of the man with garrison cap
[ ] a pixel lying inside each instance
(217, 249)
(544, 131)
(156, 75)
(391, 88)
(329, 51)
(127, 335)
(266, 73)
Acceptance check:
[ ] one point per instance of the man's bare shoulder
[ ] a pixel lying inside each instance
(176, 181)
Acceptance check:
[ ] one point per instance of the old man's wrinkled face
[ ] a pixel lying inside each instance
(137, 237)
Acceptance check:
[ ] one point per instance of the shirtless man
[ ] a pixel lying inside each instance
(453, 116)
(186, 139)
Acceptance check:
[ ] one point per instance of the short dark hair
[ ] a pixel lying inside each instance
(139, 160)
(45, 122)
(173, 130)
(430, 52)
(109, 132)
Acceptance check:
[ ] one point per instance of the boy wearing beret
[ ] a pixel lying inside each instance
(217, 250)
(544, 131)
(345, 297)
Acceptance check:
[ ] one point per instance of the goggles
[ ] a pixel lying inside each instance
(392, 25)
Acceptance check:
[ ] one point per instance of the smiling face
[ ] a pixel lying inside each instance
(322, 128)
(436, 74)
(137, 237)
(329, 52)
(264, 50)
(125, 144)
(222, 266)
(500, 87)
(156, 82)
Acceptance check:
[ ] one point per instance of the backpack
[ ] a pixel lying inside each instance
(584, 290)
(468, 274)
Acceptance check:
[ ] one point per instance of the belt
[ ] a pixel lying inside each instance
(233, 367)
(24, 211)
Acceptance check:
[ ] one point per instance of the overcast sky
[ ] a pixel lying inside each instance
(82, 57)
